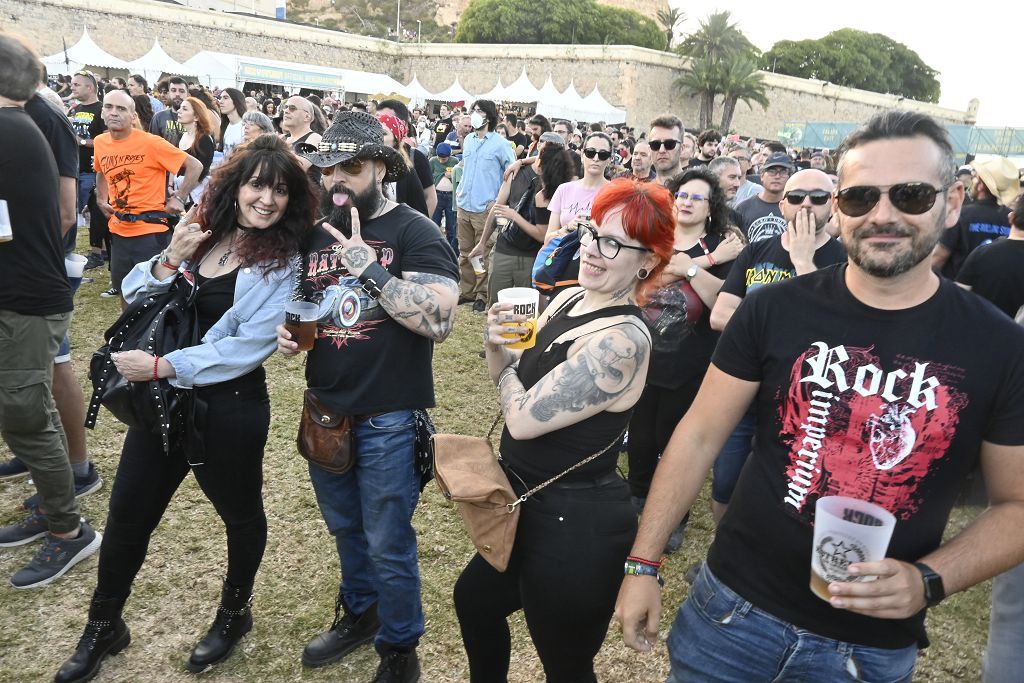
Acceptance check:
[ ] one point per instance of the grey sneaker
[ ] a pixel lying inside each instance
(31, 527)
(90, 483)
(56, 557)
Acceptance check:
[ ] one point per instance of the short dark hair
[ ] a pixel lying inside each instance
(897, 124)
(542, 121)
(775, 147)
(668, 121)
(397, 106)
(20, 78)
(163, 85)
(710, 135)
(138, 78)
(512, 118)
(1018, 212)
(490, 110)
(176, 80)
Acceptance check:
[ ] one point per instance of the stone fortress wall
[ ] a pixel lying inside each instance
(635, 78)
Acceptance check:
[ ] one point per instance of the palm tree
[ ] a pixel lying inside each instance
(670, 18)
(739, 79)
(701, 80)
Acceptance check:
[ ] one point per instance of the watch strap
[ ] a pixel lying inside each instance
(934, 590)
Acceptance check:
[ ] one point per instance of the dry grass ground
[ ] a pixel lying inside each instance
(177, 590)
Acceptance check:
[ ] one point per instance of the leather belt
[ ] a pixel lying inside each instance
(145, 217)
(593, 483)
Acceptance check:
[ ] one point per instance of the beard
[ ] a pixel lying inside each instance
(890, 260)
(339, 215)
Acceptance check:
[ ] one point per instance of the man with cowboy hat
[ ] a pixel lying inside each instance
(386, 283)
(987, 218)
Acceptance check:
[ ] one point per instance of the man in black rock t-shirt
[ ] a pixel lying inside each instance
(996, 271)
(868, 383)
(387, 285)
(760, 215)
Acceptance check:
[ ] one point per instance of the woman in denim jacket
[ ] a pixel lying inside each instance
(257, 212)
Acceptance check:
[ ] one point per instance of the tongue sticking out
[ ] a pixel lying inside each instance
(339, 198)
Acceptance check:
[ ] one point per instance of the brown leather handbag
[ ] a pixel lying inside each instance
(469, 473)
(326, 438)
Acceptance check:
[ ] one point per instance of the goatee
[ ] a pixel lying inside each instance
(336, 204)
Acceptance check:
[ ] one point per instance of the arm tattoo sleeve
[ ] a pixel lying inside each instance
(606, 367)
(418, 307)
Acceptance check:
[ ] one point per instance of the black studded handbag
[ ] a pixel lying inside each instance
(157, 323)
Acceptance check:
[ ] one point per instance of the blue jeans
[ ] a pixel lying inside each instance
(369, 511)
(447, 209)
(86, 183)
(730, 461)
(1004, 656)
(718, 636)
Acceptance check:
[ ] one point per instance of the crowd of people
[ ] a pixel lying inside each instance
(788, 321)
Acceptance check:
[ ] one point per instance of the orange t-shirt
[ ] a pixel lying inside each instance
(135, 169)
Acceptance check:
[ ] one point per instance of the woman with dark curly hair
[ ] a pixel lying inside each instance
(241, 249)
(678, 313)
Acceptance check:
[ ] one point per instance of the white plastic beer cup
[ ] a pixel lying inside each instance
(847, 531)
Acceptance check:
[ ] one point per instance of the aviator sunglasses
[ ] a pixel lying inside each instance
(818, 197)
(603, 155)
(669, 145)
(909, 198)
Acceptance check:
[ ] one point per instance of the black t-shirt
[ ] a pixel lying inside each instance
(87, 122)
(59, 134)
(520, 139)
(165, 124)
(759, 219)
(882, 405)
(203, 151)
(577, 161)
(421, 165)
(441, 129)
(512, 239)
(363, 361)
(765, 262)
(680, 325)
(33, 280)
(980, 223)
(996, 272)
(409, 191)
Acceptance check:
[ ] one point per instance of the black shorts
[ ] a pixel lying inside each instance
(125, 252)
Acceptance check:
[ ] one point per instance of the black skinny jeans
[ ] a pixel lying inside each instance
(238, 419)
(564, 573)
(655, 417)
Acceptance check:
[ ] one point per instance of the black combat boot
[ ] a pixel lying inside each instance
(346, 634)
(397, 665)
(105, 634)
(233, 620)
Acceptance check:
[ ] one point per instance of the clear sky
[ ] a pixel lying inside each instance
(976, 53)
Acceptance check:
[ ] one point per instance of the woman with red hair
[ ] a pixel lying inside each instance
(197, 139)
(565, 399)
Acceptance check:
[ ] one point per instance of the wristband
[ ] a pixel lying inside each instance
(649, 563)
(711, 260)
(634, 568)
(156, 363)
(505, 374)
(374, 278)
(165, 261)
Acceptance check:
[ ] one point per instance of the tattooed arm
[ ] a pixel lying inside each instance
(605, 371)
(423, 302)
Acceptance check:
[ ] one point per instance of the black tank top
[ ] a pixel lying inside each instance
(539, 459)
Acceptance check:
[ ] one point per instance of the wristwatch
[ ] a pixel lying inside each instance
(692, 271)
(934, 591)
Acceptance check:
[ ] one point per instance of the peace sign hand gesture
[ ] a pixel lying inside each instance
(356, 254)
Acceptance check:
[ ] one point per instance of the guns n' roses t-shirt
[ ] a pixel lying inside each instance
(364, 361)
(885, 406)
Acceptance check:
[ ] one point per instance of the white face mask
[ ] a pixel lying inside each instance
(477, 120)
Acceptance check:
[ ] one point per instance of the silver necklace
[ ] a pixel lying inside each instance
(223, 261)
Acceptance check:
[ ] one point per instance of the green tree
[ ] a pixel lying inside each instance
(670, 18)
(716, 42)
(740, 79)
(566, 21)
(857, 59)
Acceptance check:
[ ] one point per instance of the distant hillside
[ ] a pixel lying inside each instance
(438, 17)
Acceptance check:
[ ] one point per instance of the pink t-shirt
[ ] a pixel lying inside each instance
(571, 199)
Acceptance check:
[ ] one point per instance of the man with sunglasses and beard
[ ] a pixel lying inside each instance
(665, 140)
(868, 384)
(386, 283)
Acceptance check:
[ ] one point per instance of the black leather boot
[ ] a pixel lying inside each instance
(346, 633)
(233, 620)
(105, 634)
(397, 665)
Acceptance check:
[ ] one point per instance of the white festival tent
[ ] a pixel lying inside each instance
(567, 105)
(156, 62)
(522, 90)
(497, 93)
(83, 54)
(416, 93)
(453, 93)
(222, 70)
(549, 93)
(603, 109)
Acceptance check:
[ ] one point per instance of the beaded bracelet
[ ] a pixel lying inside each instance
(156, 363)
(649, 563)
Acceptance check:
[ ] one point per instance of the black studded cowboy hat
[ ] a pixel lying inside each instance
(354, 135)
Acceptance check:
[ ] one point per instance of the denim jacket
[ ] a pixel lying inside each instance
(245, 335)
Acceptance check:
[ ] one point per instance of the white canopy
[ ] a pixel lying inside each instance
(453, 93)
(156, 62)
(497, 93)
(568, 105)
(603, 110)
(549, 93)
(84, 53)
(416, 93)
(219, 69)
(522, 90)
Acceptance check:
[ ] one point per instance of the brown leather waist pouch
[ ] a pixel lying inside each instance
(326, 438)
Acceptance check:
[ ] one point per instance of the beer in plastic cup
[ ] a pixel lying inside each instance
(478, 265)
(525, 301)
(74, 264)
(300, 320)
(846, 531)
